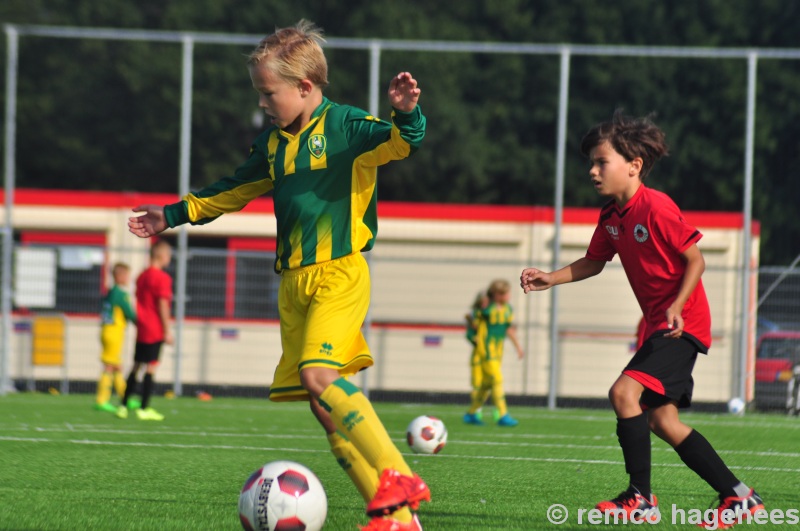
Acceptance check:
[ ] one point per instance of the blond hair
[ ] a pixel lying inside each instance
(294, 54)
(498, 287)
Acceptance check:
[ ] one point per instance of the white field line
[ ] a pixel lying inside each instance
(721, 419)
(439, 456)
(513, 444)
(301, 433)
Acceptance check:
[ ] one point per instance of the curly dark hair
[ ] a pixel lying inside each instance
(630, 137)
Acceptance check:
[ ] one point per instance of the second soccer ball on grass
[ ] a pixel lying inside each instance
(426, 435)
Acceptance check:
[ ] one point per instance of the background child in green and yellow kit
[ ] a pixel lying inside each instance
(488, 325)
(115, 312)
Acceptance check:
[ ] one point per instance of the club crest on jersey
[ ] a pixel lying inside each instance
(640, 233)
(613, 230)
(317, 145)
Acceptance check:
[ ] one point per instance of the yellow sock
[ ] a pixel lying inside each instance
(354, 416)
(478, 397)
(402, 515)
(363, 476)
(499, 399)
(104, 388)
(476, 376)
(119, 384)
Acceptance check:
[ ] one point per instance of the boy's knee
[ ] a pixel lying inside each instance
(620, 396)
(316, 379)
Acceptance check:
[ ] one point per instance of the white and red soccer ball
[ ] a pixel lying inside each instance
(426, 435)
(736, 406)
(283, 496)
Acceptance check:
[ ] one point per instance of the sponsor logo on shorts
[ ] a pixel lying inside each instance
(326, 349)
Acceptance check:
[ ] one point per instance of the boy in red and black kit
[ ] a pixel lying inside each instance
(153, 300)
(658, 250)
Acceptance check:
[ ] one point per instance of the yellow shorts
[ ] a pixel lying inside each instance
(322, 308)
(492, 372)
(112, 348)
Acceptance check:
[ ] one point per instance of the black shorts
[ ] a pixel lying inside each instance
(147, 352)
(664, 367)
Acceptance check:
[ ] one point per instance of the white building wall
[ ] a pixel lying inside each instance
(425, 275)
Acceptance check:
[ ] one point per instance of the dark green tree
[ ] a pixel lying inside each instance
(99, 114)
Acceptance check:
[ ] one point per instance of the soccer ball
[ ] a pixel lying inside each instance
(736, 406)
(283, 496)
(426, 435)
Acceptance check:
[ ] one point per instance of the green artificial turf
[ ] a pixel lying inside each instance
(64, 466)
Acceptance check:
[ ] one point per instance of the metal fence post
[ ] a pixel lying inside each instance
(747, 208)
(12, 57)
(183, 189)
(374, 109)
(561, 154)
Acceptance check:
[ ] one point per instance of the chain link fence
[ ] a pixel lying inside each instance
(778, 344)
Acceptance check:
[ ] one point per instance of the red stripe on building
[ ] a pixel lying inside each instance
(63, 238)
(398, 210)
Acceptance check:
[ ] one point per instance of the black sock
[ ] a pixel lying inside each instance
(700, 456)
(147, 389)
(130, 388)
(634, 438)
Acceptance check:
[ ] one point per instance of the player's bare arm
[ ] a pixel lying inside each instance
(695, 266)
(512, 335)
(533, 279)
(403, 92)
(164, 315)
(148, 224)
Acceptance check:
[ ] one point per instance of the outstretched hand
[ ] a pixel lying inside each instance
(148, 224)
(403, 92)
(533, 279)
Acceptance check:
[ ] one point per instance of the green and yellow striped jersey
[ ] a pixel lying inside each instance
(496, 319)
(323, 181)
(115, 310)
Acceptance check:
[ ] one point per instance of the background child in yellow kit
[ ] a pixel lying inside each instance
(115, 313)
(492, 328)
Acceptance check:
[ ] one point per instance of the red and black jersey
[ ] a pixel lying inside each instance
(152, 285)
(649, 234)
